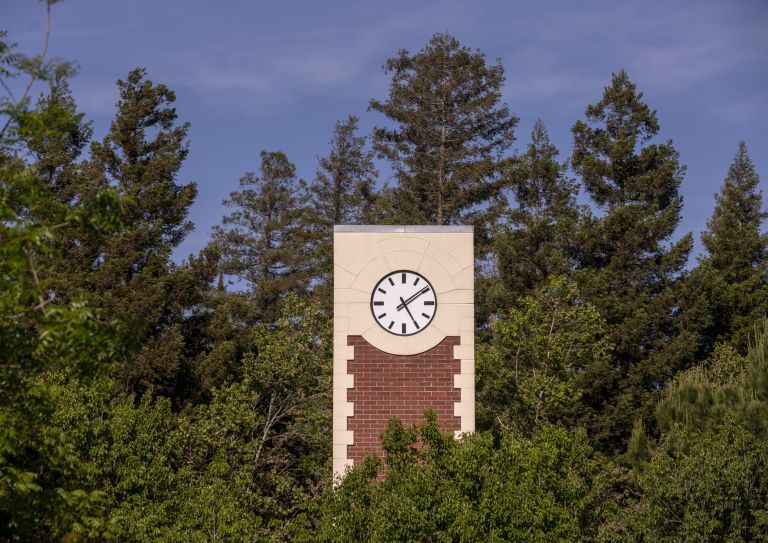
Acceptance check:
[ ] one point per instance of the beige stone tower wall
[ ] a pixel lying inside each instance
(362, 256)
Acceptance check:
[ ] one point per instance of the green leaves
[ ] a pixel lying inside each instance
(543, 489)
(538, 357)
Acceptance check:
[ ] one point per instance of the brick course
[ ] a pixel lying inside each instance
(395, 386)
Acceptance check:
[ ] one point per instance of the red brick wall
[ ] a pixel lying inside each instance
(389, 386)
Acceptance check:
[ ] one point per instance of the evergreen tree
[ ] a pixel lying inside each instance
(56, 150)
(216, 332)
(709, 466)
(54, 153)
(450, 132)
(532, 242)
(264, 240)
(629, 266)
(736, 265)
(130, 275)
(343, 192)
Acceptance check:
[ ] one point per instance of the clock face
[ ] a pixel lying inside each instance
(403, 303)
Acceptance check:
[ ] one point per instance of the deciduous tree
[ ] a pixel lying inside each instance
(528, 373)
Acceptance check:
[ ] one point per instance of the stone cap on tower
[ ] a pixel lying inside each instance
(400, 228)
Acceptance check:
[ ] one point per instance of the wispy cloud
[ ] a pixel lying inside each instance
(571, 53)
(292, 67)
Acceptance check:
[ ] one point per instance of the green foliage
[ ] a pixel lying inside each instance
(533, 240)
(47, 490)
(343, 192)
(730, 388)
(628, 266)
(264, 241)
(248, 465)
(128, 274)
(710, 486)
(138, 402)
(244, 466)
(538, 355)
(706, 478)
(547, 488)
(735, 269)
(450, 129)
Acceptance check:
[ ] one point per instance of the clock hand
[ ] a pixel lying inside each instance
(412, 298)
(409, 312)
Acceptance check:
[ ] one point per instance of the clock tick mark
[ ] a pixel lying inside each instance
(425, 315)
(391, 282)
(403, 328)
(403, 278)
(382, 315)
(429, 303)
(416, 282)
(378, 303)
(382, 291)
(391, 324)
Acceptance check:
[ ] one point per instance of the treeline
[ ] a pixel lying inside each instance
(622, 396)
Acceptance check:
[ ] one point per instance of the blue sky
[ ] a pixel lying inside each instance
(277, 75)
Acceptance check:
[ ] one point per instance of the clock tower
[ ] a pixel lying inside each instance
(403, 338)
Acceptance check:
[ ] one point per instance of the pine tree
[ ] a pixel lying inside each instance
(629, 265)
(130, 275)
(450, 132)
(342, 192)
(56, 150)
(736, 264)
(532, 242)
(264, 241)
(708, 464)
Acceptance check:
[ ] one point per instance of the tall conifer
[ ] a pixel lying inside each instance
(342, 192)
(130, 275)
(449, 132)
(629, 263)
(56, 151)
(736, 263)
(531, 243)
(263, 241)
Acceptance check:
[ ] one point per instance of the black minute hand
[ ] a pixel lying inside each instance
(412, 298)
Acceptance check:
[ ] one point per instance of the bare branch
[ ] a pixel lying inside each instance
(33, 75)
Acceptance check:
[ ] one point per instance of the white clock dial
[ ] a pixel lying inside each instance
(403, 303)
